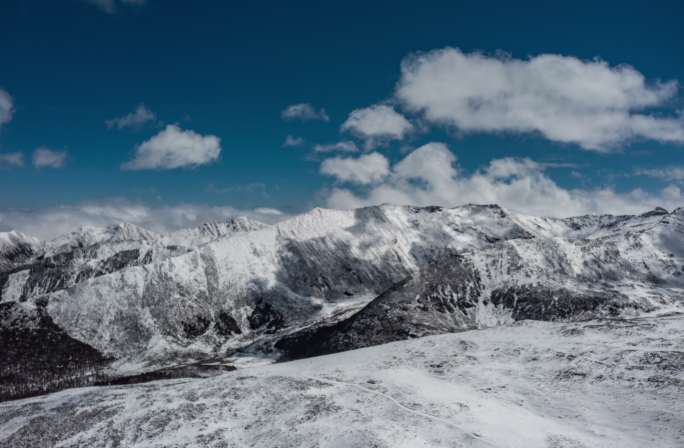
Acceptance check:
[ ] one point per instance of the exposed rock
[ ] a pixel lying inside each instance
(540, 302)
(195, 326)
(441, 299)
(264, 315)
(226, 325)
(38, 356)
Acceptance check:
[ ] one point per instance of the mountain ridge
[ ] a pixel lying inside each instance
(245, 289)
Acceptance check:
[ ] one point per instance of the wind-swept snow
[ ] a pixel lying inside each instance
(605, 383)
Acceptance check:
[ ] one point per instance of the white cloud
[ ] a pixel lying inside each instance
(431, 163)
(305, 112)
(430, 176)
(6, 107)
(110, 6)
(51, 222)
(275, 214)
(11, 159)
(563, 98)
(174, 147)
(675, 173)
(292, 141)
(365, 169)
(343, 146)
(378, 122)
(138, 117)
(48, 158)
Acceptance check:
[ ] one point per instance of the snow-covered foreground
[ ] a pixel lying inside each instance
(608, 383)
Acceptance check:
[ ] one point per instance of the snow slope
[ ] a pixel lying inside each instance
(15, 248)
(601, 383)
(39, 268)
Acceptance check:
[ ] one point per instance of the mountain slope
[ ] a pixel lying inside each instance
(601, 383)
(441, 299)
(15, 249)
(317, 260)
(155, 300)
(40, 268)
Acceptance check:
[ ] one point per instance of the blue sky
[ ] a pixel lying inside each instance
(209, 69)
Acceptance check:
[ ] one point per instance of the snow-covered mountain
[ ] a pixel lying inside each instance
(344, 279)
(30, 268)
(600, 383)
(15, 249)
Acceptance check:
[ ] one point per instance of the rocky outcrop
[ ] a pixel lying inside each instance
(539, 302)
(38, 356)
(442, 298)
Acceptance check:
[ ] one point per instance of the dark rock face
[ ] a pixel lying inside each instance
(38, 356)
(65, 269)
(226, 325)
(147, 258)
(195, 326)
(439, 300)
(195, 370)
(119, 261)
(658, 211)
(15, 256)
(45, 275)
(265, 316)
(543, 303)
(314, 268)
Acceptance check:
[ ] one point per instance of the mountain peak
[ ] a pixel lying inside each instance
(658, 211)
(12, 238)
(230, 225)
(90, 235)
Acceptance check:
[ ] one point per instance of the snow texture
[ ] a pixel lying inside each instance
(600, 383)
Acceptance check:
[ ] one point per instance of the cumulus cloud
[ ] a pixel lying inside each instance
(365, 169)
(565, 99)
(343, 146)
(12, 159)
(47, 223)
(174, 147)
(6, 107)
(430, 176)
(675, 173)
(48, 158)
(378, 122)
(110, 6)
(304, 112)
(138, 117)
(292, 141)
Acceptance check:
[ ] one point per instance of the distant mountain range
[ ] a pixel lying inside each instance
(123, 300)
